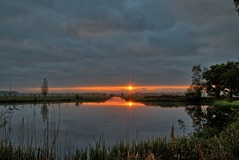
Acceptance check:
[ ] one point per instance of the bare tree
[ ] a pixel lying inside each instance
(44, 87)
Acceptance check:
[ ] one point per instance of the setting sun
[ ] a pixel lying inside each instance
(130, 88)
(130, 104)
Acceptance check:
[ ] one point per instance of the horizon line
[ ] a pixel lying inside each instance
(129, 88)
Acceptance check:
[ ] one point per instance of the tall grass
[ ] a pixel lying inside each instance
(26, 145)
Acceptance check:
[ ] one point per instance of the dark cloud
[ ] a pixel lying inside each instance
(91, 42)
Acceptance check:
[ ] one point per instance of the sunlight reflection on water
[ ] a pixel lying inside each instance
(113, 120)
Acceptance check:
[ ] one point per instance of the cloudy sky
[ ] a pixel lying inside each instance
(77, 43)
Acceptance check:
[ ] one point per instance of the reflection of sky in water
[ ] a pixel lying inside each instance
(114, 120)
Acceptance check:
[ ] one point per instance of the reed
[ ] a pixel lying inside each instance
(26, 145)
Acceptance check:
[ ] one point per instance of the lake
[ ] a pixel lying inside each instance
(83, 124)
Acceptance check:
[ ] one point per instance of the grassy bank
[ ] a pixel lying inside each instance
(227, 103)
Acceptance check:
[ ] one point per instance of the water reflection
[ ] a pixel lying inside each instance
(78, 104)
(197, 113)
(208, 116)
(120, 119)
(114, 120)
(114, 102)
(44, 112)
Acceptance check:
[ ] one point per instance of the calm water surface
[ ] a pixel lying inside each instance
(116, 119)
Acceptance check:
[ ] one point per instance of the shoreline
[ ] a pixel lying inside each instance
(54, 99)
(147, 100)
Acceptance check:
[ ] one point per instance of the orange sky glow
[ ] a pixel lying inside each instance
(129, 88)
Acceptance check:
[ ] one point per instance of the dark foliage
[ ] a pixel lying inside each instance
(236, 3)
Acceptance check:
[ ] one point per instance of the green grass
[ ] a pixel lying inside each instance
(225, 103)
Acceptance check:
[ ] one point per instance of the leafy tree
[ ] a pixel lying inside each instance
(44, 87)
(236, 3)
(214, 80)
(222, 78)
(231, 78)
(195, 90)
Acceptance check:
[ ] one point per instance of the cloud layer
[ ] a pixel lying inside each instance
(109, 42)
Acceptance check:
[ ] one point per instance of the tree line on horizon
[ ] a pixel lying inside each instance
(217, 80)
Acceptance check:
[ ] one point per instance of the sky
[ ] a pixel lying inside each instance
(97, 43)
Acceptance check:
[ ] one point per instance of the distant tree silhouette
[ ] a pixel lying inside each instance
(195, 90)
(44, 87)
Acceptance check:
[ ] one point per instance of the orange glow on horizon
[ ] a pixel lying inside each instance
(113, 88)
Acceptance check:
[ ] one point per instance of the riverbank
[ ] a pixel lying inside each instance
(164, 99)
(147, 100)
(55, 99)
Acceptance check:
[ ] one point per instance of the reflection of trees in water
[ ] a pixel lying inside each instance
(198, 115)
(212, 117)
(78, 104)
(220, 117)
(44, 111)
